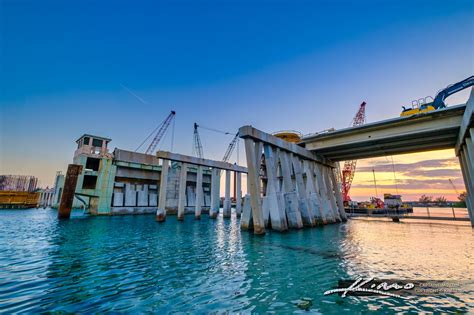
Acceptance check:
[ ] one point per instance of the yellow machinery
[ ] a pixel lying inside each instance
(18, 199)
(418, 107)
(288, 135)
(429, 104)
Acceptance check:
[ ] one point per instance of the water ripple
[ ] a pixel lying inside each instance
(132, 264)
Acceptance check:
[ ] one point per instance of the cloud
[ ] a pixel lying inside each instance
(382, 166)
(428, 184)
(411, 179)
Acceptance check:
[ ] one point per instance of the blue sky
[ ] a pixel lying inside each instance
(304, 65)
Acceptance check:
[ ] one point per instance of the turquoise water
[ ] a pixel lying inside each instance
(133, 264)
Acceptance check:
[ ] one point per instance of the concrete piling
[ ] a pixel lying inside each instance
(238, 194)
(73, 172)
(182, 191)
(226, 209)
(299, 188)
(199, 194)
(161, 211)
(215, 193)
(253, 166)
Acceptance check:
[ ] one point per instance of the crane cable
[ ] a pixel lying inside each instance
(215, 130)
(151, 134)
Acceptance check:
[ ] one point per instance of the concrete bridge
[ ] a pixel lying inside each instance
(450, 128)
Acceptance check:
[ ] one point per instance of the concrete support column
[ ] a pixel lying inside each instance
(469, 148)
(306, 214)
(313, 197)
(238, 194)
(227, 202)
(161, 211)
(468, 173)
(331, 193)
(253, 164)
(199, 194)
(338, 194)
(289, 193)
(215, 193)
(182, 191)
(73, 172)
(325, 202)
(274, 198)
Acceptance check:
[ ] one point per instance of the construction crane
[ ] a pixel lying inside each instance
(159, 134)
(197, 142)
(348, 170)
(197, 146)
(230, 148)
(423, 105)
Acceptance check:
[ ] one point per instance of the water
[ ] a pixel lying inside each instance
(133, 264)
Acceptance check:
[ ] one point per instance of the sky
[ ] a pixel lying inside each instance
(116, 69)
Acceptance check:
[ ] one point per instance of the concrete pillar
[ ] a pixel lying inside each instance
(182, 191)
(161, 211)
(199, 194)
(469, 148)
(215, 193)
(227, 202)
(238, 194)
(331, 194)
(253, 165)
(468, 176)
(306, 215)
(246, 222)
(338, 194)
(325, 202)
(73, 172)
(274, 198)
(313, 197)
(290, 196)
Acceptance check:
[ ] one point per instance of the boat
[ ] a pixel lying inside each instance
(392, 204)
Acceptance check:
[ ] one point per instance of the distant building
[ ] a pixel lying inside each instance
(18, 183)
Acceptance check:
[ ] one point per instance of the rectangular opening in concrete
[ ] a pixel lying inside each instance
(89, 182)
(92, 164)
(96, 143)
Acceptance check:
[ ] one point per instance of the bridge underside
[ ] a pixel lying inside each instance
(433, 131)
(452, 127)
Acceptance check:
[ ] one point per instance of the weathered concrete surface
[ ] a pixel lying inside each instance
(248, 132)
(238, 194)
(73, 172)
(197, 161)
(182, 191)
(215, 193)
(292, 201)
(161, 211)
(254, 184)
(199, 194)
(226, 209)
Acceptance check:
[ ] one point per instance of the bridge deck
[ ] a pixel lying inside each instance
(424, 132)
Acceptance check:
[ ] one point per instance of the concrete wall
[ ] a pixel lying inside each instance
(128, 183)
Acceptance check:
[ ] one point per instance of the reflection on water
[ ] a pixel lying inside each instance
(133, 264)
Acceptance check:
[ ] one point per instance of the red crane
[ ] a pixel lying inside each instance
(350, 166)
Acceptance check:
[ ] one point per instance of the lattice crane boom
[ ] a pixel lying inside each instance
(197, 142)
(230, 148)
(349, 168)
(159, 135)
